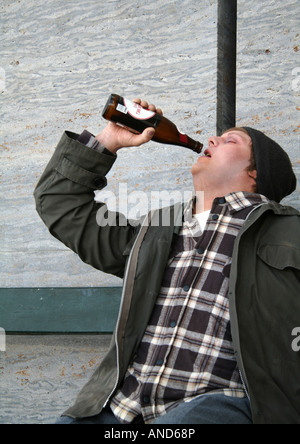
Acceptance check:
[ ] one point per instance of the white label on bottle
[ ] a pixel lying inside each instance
(122, 108)
(137, 111)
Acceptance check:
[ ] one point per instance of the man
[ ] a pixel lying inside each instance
(209, 302)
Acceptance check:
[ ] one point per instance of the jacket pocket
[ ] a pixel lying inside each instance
(279, 256)
(81, 176)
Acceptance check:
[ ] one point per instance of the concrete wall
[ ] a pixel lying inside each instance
(268, 95)
(60, 61)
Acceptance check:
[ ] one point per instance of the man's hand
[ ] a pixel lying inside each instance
(114, 137)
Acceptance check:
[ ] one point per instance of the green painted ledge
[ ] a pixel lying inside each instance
(59, 310)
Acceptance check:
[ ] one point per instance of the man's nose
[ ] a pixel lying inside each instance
(214, 141)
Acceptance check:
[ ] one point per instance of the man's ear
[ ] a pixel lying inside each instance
(253, 174)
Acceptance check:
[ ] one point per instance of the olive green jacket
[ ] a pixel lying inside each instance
(264, 289)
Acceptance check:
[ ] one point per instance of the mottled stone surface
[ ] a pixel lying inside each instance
(40, 376)
(62, 60)
(268, 89)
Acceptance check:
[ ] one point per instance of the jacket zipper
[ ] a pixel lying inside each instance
(240, 371)
(244, 385)
(141, 233)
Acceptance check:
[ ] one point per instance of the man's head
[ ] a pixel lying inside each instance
(244, 159)
(225, 168)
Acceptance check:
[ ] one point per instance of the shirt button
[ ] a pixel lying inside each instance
(201, 251)
(160, 362)
(146, 399)
(186, 288)
(215, 217)
(173, 324)
(222, 201)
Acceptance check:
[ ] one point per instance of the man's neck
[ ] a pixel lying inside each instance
(206, 198)
(204, 201)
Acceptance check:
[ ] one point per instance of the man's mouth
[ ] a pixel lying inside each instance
(207, 153)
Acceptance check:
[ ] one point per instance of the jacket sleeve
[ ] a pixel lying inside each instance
(65, 202)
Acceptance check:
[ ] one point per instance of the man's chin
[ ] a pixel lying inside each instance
(197, 168)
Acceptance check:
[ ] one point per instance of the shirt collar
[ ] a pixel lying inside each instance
(235, 202)
(241, 200)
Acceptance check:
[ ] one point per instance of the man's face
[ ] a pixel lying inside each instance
(226, 159)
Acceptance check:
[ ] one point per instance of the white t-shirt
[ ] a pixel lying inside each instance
(202, 219)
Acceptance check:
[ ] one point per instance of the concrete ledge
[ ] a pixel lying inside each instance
(59, 310)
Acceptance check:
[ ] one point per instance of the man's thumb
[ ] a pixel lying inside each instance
(145, 137)
(150, 133)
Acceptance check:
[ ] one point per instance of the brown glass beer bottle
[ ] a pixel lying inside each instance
(134, 117)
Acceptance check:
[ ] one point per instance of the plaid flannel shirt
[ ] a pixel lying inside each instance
(187, 347)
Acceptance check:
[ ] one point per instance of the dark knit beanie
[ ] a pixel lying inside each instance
(275, 175)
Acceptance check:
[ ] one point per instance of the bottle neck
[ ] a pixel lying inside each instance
(192, 144)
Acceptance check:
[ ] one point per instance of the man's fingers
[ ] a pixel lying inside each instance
(140, 139)
(146, 105)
